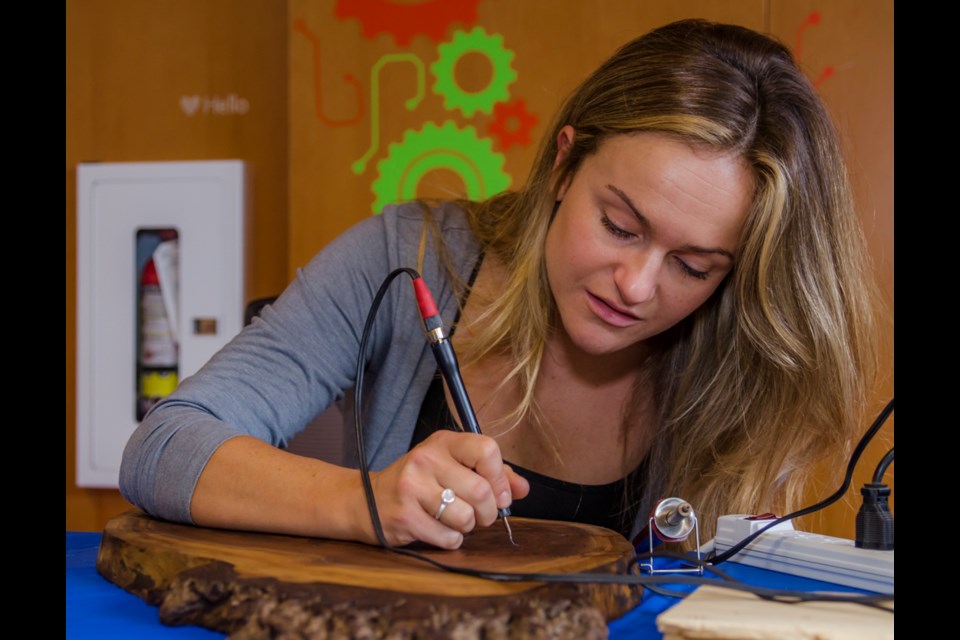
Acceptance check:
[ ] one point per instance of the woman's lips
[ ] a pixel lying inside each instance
(609, 313)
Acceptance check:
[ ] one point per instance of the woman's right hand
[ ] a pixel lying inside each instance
(408, 492)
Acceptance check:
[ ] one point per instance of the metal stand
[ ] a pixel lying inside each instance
(671, 520)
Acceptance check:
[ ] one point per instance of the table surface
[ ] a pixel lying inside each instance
(96, 608)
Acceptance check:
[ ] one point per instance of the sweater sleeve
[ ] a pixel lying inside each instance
(290, 364)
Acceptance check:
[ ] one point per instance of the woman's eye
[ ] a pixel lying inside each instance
(690, 271)
(617, 231)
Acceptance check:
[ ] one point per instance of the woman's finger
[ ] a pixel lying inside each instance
(437, 533)
(519, 486)
(455, 513)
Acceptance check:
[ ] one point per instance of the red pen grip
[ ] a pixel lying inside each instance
(428, 308)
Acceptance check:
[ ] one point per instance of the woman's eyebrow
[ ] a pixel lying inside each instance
(643, 220)
(627, 201)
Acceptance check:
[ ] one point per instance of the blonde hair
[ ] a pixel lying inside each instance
(772, 373)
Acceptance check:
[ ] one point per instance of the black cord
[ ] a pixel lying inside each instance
(848, 477)
(358, 407)
(780, 595)
(882, 467)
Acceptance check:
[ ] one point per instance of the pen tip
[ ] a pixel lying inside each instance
(509, 532)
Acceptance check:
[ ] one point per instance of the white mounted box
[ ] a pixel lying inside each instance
(204, 201)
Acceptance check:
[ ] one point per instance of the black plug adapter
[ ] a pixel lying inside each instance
(874, 520)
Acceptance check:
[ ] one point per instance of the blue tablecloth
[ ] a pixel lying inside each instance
(96, 608)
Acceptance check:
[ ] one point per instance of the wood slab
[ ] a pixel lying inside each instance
(256, 585)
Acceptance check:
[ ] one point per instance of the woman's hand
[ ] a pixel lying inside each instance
(408, 492)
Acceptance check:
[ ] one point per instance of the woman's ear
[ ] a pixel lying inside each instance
(564, 145)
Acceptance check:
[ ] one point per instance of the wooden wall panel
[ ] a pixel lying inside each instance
(847, 47)
(554, 44)
(175, 80)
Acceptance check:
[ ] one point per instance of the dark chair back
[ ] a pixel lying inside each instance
(254, 307)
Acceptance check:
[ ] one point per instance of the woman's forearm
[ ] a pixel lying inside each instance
(249, 484)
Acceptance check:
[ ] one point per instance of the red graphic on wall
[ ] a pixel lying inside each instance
(301, 26)
(511, 124)
(813, 19)
(403, 20)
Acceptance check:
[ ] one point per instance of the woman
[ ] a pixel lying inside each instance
(678, 302)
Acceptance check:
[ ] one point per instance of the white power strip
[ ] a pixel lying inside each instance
(811, 555)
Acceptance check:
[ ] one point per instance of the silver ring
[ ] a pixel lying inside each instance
(446, 498)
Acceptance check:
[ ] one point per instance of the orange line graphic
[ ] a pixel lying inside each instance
(301, 26)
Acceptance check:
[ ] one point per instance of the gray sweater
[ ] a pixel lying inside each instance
(300, 356)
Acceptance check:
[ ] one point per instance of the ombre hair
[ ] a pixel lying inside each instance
(772, 373)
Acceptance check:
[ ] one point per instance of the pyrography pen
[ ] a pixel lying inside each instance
(450, 369)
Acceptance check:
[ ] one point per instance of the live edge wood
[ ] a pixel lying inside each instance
(254, 585)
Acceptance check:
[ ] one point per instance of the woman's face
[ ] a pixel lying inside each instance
(646, 230)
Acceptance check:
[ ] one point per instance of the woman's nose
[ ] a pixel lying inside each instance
(637, 277)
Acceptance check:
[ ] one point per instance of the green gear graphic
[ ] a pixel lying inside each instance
(433, 147)
(476, 41)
